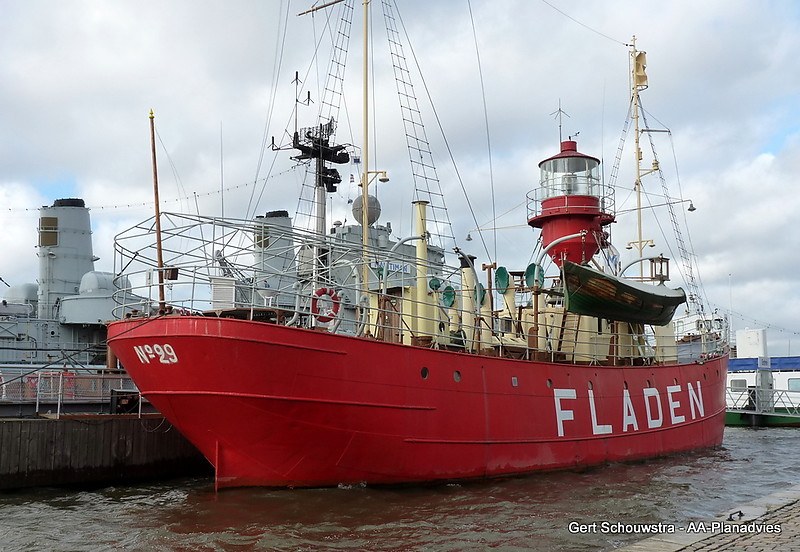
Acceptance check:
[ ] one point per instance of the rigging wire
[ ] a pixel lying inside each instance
(441, 131)
(174, 169)
(342, 30)
(253, 206)
(584, 25)
(179, 200)
(332, 94)
(687, 255)
(280, 43)
(486, 123)
(685, 221)
(760, 323)
(427, 185)
(306, 189)
(504, 213)
(289, 122)
(315, 59)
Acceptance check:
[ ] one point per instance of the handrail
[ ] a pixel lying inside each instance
(60, 387)
(781, 402)
(280, 290)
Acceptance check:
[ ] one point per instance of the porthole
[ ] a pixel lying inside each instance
(649, 384)
(424, 373)
(625, 384)
(549, 383)
(457, 376)
(591, 385)
(514, 382)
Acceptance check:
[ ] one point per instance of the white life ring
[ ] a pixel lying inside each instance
(325, 313)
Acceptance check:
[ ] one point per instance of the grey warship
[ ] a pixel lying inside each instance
(52, 333)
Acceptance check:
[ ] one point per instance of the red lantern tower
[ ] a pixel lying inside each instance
(570, 199)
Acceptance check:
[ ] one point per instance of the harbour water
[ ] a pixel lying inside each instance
(526, 513)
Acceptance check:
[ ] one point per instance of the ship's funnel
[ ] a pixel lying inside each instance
(469, 294)
(274, 254)
(65, 252)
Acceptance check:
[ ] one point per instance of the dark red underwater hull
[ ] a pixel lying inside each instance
(289, 407)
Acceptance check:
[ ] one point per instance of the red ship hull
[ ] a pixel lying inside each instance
(271, 405)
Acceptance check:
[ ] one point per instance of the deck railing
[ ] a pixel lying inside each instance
(61, 388)
(763, 401)
(29, 351)
(245, 269)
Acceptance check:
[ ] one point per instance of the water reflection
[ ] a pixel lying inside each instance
(530, 513)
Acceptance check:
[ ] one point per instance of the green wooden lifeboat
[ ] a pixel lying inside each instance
(593, 293)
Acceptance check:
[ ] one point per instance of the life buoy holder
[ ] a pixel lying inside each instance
(329, 295)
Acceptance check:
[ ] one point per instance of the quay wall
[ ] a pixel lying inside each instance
(93, 449)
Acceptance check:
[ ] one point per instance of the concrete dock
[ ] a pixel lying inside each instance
(769, 523)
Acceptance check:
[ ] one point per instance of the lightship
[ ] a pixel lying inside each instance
(342, 355)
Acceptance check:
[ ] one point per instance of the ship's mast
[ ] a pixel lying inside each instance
(366, 174)
(365, 154)
(317, 143)
(638, 83)
(159, 251)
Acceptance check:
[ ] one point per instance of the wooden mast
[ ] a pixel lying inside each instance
(162, 305)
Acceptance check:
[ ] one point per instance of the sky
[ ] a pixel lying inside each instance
(80, 77)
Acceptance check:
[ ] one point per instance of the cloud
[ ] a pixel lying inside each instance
(80, 78)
